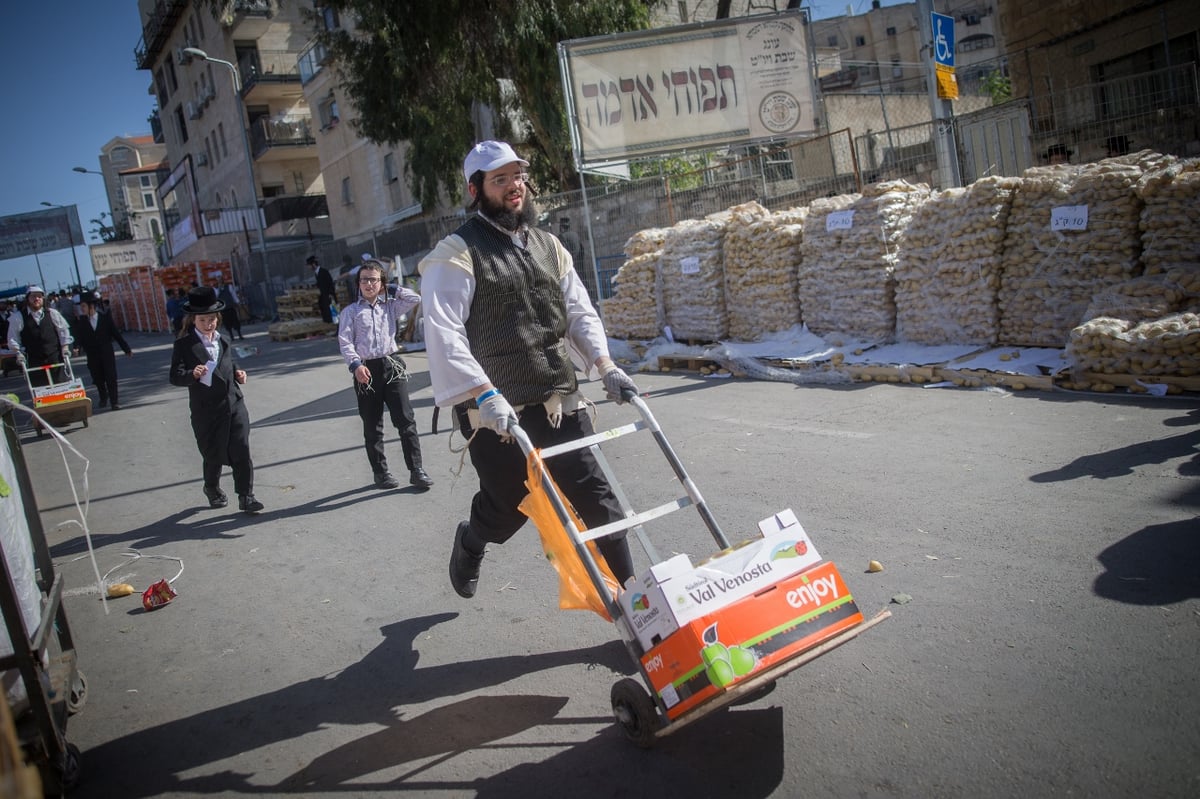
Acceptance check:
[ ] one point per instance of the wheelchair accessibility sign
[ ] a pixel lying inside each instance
(943, 56)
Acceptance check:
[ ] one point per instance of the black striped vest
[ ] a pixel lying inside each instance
(518, 320)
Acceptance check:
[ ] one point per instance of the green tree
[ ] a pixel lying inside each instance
(416, 70)
(999, 86)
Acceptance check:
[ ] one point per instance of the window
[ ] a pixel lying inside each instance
(120, 156)
(971, 19)
(389, 168)
(180, 123)
(274, 190)
(832, 40)
(891, 31)
(329, 17)
(347, 195)
(980, 41)
(208, 153)
(328, 111)
(860, 41)
(155, 229)
(146, 181)
(160, 84)
(147, 199)
(224, 145)
(171, 81)
(897, 70)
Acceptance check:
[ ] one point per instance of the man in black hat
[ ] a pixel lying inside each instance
(40, 336)
(95, 333)
(203, 362)
(325, 286)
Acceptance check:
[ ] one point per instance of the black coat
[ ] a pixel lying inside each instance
(215, 407)
(325, 281)
(98, 343)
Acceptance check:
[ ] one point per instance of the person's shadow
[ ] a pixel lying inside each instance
(1157, 565)
(366, 692)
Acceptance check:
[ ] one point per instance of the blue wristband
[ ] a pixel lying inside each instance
(487, 395)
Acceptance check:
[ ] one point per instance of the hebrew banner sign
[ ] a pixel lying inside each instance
(690, 86)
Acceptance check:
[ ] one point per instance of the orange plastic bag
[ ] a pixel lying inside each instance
(575, 589)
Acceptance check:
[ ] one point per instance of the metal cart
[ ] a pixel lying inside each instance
(639, 709)
(58, 403)
(45, 659)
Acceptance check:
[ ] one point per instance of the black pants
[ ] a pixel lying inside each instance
(231, 320)
(234, 433)
(102, 366)
(501, 469)
(325, 301)
(388, 389)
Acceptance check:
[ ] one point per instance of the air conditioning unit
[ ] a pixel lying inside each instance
(194, 111)
(201, 159)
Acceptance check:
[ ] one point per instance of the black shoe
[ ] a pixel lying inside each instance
(464, 565)
(216, 497)
(386, 480)
(116, 407)
(419, 478)
(248, 504)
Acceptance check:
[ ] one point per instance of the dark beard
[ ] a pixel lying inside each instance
(509, 220)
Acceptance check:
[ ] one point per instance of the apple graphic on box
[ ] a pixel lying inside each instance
(801, 547)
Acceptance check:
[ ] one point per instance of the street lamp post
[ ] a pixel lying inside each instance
(71, 237)
(196, 52)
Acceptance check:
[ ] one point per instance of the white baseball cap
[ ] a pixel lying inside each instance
(489, 155)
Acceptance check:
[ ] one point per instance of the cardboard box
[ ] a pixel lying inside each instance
(646, 607)
(673, 593)
(709, 655)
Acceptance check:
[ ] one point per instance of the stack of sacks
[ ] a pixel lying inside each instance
(851, 244)
(1050, 275)
(633, 312)
(1170, 221)
(693, 278)
(949, 266)
(761, 261)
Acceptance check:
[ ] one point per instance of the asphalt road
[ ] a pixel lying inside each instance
(1050, 544)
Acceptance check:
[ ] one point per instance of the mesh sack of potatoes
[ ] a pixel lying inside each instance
(1170, 221)
(761, 259)
(1165, 347)
(845, 281)
(633, 310)
(692, 280)
(1139, 299)
(1048, 275)
(649, 240)
(949, 265)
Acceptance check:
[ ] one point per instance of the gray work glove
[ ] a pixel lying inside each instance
(616, 382)
(497, 415)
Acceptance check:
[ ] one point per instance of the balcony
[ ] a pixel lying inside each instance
(282, 139)
(268, 74)
(157, 31)
(312, 59)
(247, 19)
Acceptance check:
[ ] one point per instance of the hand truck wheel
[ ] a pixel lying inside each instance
(635, 712)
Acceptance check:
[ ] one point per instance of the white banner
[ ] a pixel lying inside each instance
(121, 255)
(690, 86)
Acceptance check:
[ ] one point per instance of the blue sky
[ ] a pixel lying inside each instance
(72, 85)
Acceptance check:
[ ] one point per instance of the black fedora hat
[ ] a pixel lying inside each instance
(203, 299)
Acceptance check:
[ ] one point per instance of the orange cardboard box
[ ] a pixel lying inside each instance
(714, 652)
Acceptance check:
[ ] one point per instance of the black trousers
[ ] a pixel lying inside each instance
(388, 389)
(236, 433)
(324, 302)
(501, 470)
(102, 366)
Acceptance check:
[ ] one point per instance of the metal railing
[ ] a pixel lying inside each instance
(290, 131)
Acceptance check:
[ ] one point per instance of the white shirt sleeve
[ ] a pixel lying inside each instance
(447, 288)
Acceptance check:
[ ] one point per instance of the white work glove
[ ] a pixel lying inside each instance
(615, 382)
(20, 359)
(497, 415)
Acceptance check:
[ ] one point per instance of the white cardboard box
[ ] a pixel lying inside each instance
(672, 593)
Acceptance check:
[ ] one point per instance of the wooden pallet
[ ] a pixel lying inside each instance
(1098, 381)
(983, 377)
(686, 364)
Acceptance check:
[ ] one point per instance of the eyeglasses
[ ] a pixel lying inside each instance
(368, 280)
(504, 181)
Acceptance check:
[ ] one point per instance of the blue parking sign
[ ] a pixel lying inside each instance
(943, 39)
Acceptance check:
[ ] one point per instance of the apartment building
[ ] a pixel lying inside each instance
(130, 167)
(367, 189)
(239, 135)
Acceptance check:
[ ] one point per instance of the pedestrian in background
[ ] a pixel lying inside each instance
(505, 312)
(367, 338)
(175, 310)
(229, 316)
(95, 334)
(40, 336)
(203, 362)
(324, 287)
